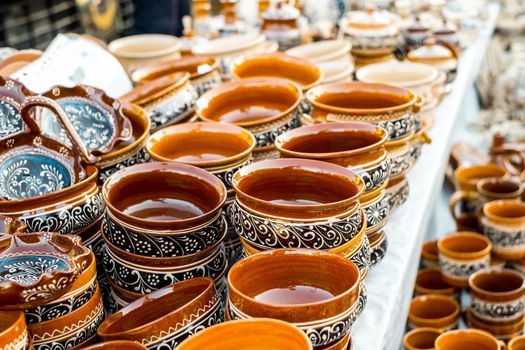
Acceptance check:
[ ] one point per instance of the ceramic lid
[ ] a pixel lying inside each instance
(446, 29)
(380, 22)
(281, 11)
(434, 54)
(155, 89)
(195, 65)
(416, 26)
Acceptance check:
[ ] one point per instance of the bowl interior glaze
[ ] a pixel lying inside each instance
(466, 339)
(497, 282)
(421, 338)
(194, 65)
(433, 307)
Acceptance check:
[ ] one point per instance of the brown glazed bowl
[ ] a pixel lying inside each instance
(517, 343)
(468, 177)
(429, 254)
(463, 339)
(13, 330)
(430, 281)
(116, 345)
(261, 333)
(392, 108)
(167, 316)
(267, 107)
(278, 65)
(297, 189)
(436, 311)
(421, 338)
(503, 330)
(163, 196)
(357, 146)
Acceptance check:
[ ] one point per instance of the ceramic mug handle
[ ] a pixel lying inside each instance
(425, 138)
(502, 345)
(457, 197)
(420, 102)
(42, 101)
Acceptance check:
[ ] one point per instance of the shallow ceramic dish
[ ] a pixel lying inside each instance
(13, 331)
(284, 189)
(392, 108)
(267, 107)
(299, 287)
(164, 318)
(436, 311)
(38, 267)
(204, 72)
(247, 334)
(278, 65)
(168, 99)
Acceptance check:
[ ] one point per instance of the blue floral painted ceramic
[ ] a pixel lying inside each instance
(12, 95)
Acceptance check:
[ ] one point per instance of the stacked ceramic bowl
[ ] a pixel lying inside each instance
(359, 147)
(163, 224)
(300, 286)
(218, 148)
(301, 203)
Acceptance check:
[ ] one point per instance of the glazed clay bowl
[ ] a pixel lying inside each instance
(321, 51)
(392, 108)
(503, 221)
(300, 286)
(139, 50)
(461, 254)
(467, 178)
(163, 196)
(247, 335)
(497, 295)
(468, 339)
(356, 146)
(421, 338)
(266, 107)
(401, 158)
(13, 330)
(204, 72)
(501, 330)
(161, 318)
(116, 345)
(516, 343)
(397, 192)
(430, 281)
(167, 100)
(302, 72)
(297, 189)
(429, 254)
(436, 311)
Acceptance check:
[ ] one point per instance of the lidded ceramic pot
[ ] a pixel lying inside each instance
(280, 25)
(437, 56)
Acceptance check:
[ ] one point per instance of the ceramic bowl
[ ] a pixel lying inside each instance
(516, 343)
(503, 222)
(136, 51)
(421, 338)
(282, 189)
(497, 295)
(167, 100)
(376, 209)
(378, 247)
(462, 254)
(467, 178)
(321, 51)
(166, 317)
(116, 345)
(278, 65)
(466, 339)
(356, 146)
(13, 330)
(204, 72)
(436, 311)
(430, 281)
(299, 288)
(71, 330)
(397, 192)
(12, 95)
(246, 334)
(401, 159)
(267, 107)
(430, 254)
(392, 108)
(501, 330)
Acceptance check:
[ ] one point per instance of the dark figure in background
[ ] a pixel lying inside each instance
(159, 16)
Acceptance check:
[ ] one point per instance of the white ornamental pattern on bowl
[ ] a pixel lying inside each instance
(139, 157)
(269, 134)
(506, 239)
(10, 119)
(493, 311)
(207, 82)
(376, 176)
(378, 253)
(144, 280)
(377, 214)
(366, 42)
(461, 270)
(398, 195)
(67, 220)
(271, 233)
(165, 245)
(400, 163)
(361, 258)
(170, 109)
(227, 176)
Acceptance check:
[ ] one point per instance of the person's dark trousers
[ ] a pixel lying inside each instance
(159, 16)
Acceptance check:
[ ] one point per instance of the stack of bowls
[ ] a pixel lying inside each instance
(359, 147)
(393, 108)
(300, 286)
(301, 203)
(219, 148)
(163, 224)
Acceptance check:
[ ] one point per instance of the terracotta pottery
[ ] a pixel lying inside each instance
(160, 319)
(501, 330)
(267, 107)
(12, 95)
(10, 225)
(280, 24)
(421, 338)
(204, 72)
(468, 339)
(136, 51)
(438, 56)
(247, 334)
(378, 247)
(436, 311)
(497, 295)
(397, 192)
(467, 178)
(401, 160)
(300, 286)
(430, 281)
(392, 108)
(167, 100)
(74, 329)
(461, 254)
(356, 146)
(429, 254)
(116, 345)
(13, 330)
(278, 65)
(38, 267)
(362, 61)
(516, 343)
(376, 209)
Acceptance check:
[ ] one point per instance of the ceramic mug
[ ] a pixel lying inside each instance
(461, 254)
(430, 254)
(517, 343)
(430, 281)
(503, 221)
(497, 295)
(468, 339)
(437, 311)
(503, 330)
(421, 338)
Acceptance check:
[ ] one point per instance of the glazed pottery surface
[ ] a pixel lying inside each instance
(468, 339)
(429, 254)
(430, 281)
(437, 311)
(421, 338)
(397, 192)
(461, 254)
(503, 330)
(436, 55)
(260, 333)
(116, 345)
(321, 51)
(13, 330)
(467, 178)
(12, 95)
(517, 343)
